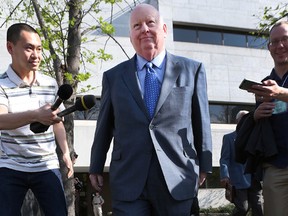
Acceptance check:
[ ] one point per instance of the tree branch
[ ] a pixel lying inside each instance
(56, 60)
(11, 13)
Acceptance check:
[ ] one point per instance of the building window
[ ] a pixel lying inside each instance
(226, 113)
(233, 39)
(209, 37)
(216, 36)
(187, 35)
(256, 42)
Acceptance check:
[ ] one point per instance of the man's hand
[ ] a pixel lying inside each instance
(96, 181)
(264, 110)
(224, 181)
(47, 116)
(269, 91)
(202, 178)
(68, 162)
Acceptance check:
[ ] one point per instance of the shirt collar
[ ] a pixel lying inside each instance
(17, 80)
(157, 61)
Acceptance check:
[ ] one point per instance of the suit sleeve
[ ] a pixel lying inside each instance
(201, 121)
(225, 158)
(104, 130)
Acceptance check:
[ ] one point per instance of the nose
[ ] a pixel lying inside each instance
(144, 28)
(35, 54)
(280, 43)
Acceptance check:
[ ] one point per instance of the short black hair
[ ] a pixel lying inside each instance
(14, 31)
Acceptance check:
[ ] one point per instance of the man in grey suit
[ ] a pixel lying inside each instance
(159, 159)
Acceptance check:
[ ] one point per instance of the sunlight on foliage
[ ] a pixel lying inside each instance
(271, 16)
(87, 88)
(106, 27)
(112, 1)
(104, 56)
(51, 19)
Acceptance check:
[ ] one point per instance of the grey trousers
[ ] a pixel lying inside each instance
(275, 191)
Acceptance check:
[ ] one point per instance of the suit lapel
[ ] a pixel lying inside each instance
(130, 79)
(172, 72)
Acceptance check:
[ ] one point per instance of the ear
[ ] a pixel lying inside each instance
(268, 47)
(9, 46)
(165, 29)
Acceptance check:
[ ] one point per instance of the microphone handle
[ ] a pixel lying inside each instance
(67, 111)
(56, 104)
(38, 127)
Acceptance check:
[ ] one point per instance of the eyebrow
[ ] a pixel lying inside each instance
(34, 45)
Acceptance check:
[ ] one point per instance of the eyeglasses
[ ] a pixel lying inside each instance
(275, 43)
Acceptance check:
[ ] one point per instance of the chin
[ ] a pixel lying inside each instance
(34, 68)
(282, 62)
(285, 60)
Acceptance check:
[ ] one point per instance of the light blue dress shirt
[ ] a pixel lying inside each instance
(159, 63)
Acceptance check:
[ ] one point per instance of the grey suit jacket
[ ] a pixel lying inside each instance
(179, 133)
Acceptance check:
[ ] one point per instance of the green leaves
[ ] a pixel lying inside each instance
(104, 56)
(112, 1)
(106, 27)
(65, 33)
(271, 16)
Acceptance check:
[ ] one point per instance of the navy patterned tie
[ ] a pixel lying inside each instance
(151, 89)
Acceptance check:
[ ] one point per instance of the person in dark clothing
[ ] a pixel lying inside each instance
(248, 189)
(272, 98)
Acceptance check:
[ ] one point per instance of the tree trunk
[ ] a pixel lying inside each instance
(71, 65)
(74, 39)
(68, 183)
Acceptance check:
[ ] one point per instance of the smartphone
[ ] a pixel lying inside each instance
(247, 84)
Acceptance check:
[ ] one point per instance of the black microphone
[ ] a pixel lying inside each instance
(86, 102)
(64, 93)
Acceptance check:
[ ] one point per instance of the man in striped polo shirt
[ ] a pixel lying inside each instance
(28, 160)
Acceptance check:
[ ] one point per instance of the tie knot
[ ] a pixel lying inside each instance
(149, 65)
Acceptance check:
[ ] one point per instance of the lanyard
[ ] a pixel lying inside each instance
(283, 83)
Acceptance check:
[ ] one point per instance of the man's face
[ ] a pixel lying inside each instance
(278, 45)
(147, 31)
(26, 53)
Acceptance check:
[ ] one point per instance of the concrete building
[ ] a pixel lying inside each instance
(217, 33)
(226, 65)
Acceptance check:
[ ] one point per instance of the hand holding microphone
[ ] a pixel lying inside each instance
(86, 102)
(64, 92)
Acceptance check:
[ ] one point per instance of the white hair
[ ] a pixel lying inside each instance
(240, 114)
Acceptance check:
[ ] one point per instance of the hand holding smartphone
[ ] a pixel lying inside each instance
(247, 84)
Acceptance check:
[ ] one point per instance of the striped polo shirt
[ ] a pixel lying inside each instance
(21, 149)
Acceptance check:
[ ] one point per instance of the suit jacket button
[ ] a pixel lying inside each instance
(151, 127)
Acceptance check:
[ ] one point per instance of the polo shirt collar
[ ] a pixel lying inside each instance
(17, 80)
